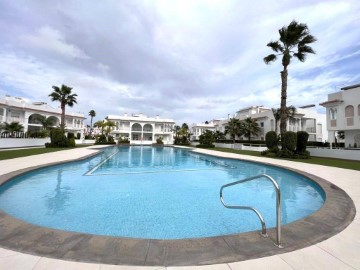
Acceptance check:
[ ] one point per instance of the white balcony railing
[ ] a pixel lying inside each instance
(13, 119)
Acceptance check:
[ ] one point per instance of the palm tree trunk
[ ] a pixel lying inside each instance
(62, 124)
(91, 125)
(283, 116)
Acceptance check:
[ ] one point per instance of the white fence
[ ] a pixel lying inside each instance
(22, 142)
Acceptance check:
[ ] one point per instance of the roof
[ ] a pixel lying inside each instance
(331, 101)
(41, 107)
(139, 118)
(307, 106)
(351, 87)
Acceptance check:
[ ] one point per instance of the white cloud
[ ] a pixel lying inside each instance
(47, 38)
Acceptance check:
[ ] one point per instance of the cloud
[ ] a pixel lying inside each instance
(187, 60)
(47, 38)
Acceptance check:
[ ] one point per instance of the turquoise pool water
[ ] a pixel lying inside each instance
(155, 192)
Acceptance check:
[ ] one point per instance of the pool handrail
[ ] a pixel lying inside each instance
(278, 206)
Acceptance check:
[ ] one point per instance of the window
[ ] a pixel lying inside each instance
(261, 124)
(349, 111)
(333, 114)
(349, 114)
(359, 110)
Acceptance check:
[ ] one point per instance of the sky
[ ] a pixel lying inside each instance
(189, 60)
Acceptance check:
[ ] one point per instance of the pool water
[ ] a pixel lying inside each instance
(157, 193)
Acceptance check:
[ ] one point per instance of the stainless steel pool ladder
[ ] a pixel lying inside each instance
(278, 206)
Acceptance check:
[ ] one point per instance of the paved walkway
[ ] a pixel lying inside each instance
(339, 252)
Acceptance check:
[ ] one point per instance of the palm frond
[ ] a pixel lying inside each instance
(305, 49)
(307, 40)
(270, 58)
(276, 46)
(300, 56)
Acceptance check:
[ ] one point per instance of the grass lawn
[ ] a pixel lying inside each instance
(15, 153)
(332, 162)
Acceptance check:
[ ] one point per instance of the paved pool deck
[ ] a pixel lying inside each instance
(342, 251)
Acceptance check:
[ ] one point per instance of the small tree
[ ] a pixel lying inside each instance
(92, 114)
(233, 128)
(250, 128)
(271, 140)
(207, 139)
(302, 138)
(13, 127)
(57, 138)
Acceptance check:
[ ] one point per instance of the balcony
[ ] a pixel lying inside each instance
(311, 130)
(12, 119)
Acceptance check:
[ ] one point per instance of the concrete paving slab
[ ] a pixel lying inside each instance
(7, 252)
(53, 264)
(204, 267)
(19, 262)
(127, 267)
(313, 258)
(267, 263)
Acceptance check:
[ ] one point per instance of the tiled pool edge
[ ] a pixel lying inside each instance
(23, 237)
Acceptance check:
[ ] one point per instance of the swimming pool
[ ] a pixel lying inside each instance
(157, 193)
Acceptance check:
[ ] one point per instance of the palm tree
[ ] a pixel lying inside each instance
(92, 114)
(233, 128)
(290, 113)
(250, 128)
(176, 129)
(65, 97)
(13, 127)
(100, 124)
(46, 122)
(294, 36)
(109, 127)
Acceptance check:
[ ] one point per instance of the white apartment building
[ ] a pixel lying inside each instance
(343, 114)
(16, 109)
(197, 129)
(306, 119)
(140, 129)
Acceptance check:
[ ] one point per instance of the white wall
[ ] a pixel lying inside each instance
(335, 153)
(20, 142)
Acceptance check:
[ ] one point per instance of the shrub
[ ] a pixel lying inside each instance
(72, 142)
(271, 139)
(110, 139)
(303, 155)
(58, 138)
(159, 140)
(122, 140)
(183, 140)
(37, 134)
(302, 138)
(70, 135)
(100, 139)
(205, 146)
(289, 140)
(285, 153)
(207, 138)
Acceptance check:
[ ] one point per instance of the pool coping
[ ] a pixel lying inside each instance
(336, 214)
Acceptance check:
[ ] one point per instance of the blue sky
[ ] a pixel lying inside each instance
(187, 60)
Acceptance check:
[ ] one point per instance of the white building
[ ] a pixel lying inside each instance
(141, 129)
(197, 129)
(15, 109)
(306, 119)
(343, 114)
